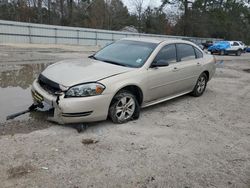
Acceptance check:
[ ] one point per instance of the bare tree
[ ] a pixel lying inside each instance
(61, 5)
(39, 8)
(70, 10)
(139, 9)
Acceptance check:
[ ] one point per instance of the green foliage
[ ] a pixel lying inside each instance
(227, 19)
(155, 21)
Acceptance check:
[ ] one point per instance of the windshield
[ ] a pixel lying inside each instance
(126, 53)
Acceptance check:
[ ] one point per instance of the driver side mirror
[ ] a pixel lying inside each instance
(159, 63)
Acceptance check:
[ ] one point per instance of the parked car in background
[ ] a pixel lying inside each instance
(121, 78)
(200, 45)
(227, 47)
(195, 42)
(207, 44)
(242, 46)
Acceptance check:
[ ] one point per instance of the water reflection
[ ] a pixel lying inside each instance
(19, 75)
(15, 83)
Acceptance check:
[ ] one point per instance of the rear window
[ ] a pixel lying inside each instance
(185, 52)
(198, 53)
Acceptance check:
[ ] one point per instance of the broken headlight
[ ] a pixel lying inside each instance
(85, 90)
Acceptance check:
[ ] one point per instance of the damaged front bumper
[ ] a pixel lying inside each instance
(72, 110)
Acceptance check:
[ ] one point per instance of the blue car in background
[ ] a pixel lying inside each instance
(227, 47)
(219, 47)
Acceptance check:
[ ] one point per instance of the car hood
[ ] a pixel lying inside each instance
(71, 72)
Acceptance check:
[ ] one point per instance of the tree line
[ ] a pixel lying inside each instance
(227, 19)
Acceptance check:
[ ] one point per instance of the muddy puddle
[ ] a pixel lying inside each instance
(15, 84)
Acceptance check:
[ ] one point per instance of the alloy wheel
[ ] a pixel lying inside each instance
(201, 84)
(125, 108)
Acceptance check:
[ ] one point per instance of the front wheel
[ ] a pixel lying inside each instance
(124, 107)
(200, 86)
(238, 53)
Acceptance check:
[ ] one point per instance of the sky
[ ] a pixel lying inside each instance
(172, 11)
(131, 7)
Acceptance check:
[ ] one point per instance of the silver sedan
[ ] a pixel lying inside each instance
(121, 78)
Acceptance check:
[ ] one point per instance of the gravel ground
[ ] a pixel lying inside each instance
(186, 142)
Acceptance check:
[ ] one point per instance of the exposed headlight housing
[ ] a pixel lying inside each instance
(85, 90)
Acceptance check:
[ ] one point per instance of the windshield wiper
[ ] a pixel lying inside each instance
(113, 62)
(92, 57)
(107, 61)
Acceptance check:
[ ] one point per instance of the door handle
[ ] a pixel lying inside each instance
(198, 64)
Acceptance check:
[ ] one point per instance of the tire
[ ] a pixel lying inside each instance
(124, 107)
(200, 86)
(222, 52)
(238, 53)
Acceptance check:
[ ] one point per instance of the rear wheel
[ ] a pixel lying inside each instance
(200, 86)
(124, 107)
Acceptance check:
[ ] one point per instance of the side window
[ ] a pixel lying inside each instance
(198, 53)
(167, 53)
(235, 44)
(185, 52)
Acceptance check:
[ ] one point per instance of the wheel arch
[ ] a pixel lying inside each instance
(134, 89)
(207, 74)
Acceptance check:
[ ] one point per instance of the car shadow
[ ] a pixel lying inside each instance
(96, 126)
(39, 121)
(167, 103)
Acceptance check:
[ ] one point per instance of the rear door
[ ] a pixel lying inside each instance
(189, 67)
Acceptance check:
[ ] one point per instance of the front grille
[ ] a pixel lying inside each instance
(48, 85)
(79, 114)
(38, 97)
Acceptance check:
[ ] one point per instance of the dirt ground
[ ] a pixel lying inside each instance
(184, 143)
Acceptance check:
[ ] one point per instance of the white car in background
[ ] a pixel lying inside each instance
(236, 47)
(243, 46)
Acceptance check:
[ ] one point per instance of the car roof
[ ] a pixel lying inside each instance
(235, 41)
(156, 40)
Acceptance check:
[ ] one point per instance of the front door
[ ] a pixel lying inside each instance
(160, 79)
